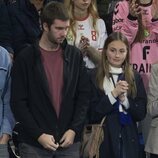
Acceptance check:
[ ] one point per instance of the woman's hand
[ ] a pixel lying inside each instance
(122, 97)
(121, 88)
(84, 43)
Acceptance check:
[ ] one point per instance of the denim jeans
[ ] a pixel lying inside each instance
(28, 151)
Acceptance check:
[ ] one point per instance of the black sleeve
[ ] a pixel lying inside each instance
(5, 28)
(82, 98)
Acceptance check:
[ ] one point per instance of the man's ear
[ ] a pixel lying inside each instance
(45, 27)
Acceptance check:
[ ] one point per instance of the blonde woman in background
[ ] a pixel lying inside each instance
(87, 31)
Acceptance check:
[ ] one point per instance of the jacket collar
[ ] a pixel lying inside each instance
(63, 46)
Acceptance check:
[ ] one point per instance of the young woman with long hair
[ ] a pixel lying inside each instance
(118, 93)
(87, 31)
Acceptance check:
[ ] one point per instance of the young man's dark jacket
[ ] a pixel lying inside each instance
(30, 98)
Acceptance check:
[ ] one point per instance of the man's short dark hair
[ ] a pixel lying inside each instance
(52, 11)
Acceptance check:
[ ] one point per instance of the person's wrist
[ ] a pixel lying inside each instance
(114, 94)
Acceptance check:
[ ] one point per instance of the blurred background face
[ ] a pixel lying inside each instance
(116, 53)
(81, 4)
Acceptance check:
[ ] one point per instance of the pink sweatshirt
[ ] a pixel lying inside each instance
(143, 54)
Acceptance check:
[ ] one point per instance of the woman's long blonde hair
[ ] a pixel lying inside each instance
(92, 10)
(103, 68)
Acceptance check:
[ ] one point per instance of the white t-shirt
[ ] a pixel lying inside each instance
(96, 37)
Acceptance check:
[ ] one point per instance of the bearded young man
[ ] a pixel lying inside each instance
(50, 91)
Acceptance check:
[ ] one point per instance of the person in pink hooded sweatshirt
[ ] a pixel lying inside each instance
(138, 21)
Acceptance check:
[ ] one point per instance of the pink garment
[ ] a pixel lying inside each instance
(53, 66)
(143, 54)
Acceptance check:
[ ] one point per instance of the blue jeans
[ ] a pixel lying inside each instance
(28, 151)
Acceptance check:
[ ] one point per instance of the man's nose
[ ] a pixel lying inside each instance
(64, 32)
